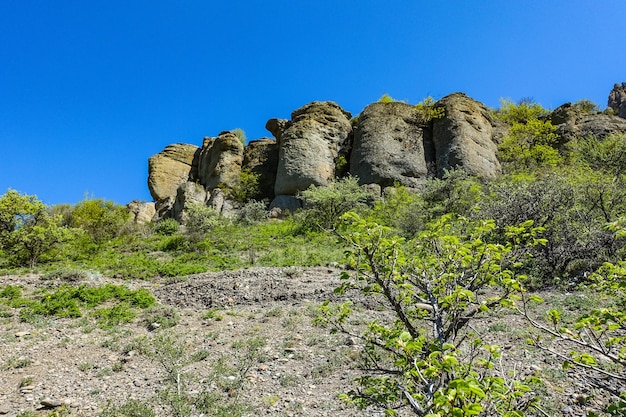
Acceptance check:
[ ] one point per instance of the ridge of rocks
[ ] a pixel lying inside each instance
(387, 143)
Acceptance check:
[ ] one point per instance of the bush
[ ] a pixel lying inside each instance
(200, 220)
(596, 341)
(247, 188)
(427, 357)
(102, 220)
(253, 212)
(28, 230)
(324, 205)
(166, 227)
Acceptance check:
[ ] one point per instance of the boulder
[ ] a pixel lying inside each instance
(285, 204)
(617, 100)
(598, 125)
(276, 127)
(463, 137)
(391, 145)
(141, 212)
(220, 161)
(261, 157)
(187, 194)
(171, 167)
(310, 145)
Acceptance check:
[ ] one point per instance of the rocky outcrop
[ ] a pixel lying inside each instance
(261, 157)
(598, 125)
(310, 146)
(571, 122)
(617, 100)
(141, 212)
(463, 138)
(220, 161)
(188, 193)
(391, 144)
(171, 167)
(276, 127)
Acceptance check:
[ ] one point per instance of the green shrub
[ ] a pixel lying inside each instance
(521, 112)
(166, 227)
(247, 188)
(241, 135)
(427, 357)
(27, 229)
(427, 110)
(253, 212)
(102, 220)
(586, 106)
(201, 219)
(324, 205)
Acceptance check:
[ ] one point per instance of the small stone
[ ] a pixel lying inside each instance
(50, 403)
(154, 326)
(22, 334)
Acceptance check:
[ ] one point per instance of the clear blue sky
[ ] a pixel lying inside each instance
(90, 89)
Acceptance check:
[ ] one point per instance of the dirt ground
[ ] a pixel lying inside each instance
(297, 369)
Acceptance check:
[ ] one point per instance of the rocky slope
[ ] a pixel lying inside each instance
(73, 365)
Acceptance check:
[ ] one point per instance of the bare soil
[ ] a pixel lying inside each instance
(73, 365)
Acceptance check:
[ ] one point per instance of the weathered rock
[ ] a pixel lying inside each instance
(142, 213)
(220, 161)
(187, 194)
(276, 127)
(310, 146)
(617, 99)
(171, 167)
(163, 208)
(261, 157)
(598, 125)
(286, 203)
(390, 145)
(463, 137)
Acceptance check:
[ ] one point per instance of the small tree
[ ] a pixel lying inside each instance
(532, 141)
(324, 205)
(596, 341)
(102, 220)
(27, 229)
(427, 357)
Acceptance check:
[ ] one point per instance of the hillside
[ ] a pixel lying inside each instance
(395, 260)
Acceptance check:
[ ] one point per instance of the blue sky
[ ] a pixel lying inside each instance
(90, 89)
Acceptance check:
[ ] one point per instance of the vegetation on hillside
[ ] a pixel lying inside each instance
(436, 259)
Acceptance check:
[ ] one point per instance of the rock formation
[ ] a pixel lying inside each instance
(391, 142)
(463, 138)
(141, 212)
(310, 146)
(573, 122)
(261, 158)
(617, 100)
(170, 168)
(391, 145)
(220, 160)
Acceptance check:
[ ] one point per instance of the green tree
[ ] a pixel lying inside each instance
(427, 357)
(102, 220)
(324, 205)
(532, 141)
(27, 229)
(596, 341)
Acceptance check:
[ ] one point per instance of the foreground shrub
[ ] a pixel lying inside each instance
(427, 357)
(595, 342)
